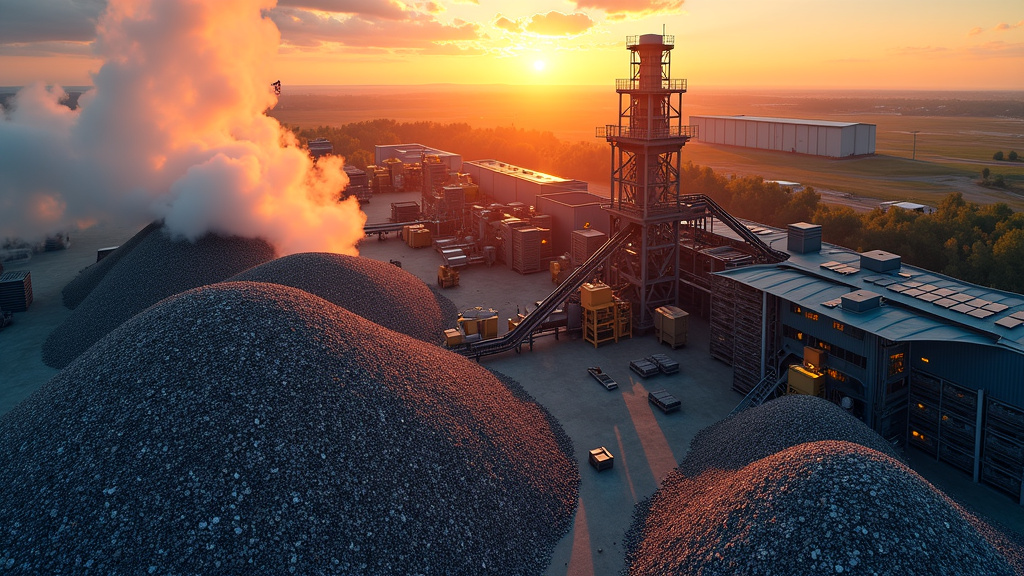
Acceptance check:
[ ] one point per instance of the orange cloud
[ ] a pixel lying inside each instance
(303, 28)
(1003, 26)
(508, 25)
(622, 9)
(975, 31)
(558, 24)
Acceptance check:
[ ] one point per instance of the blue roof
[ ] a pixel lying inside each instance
(917, 304)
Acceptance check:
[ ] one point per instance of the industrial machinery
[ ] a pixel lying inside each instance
(447, 277)
(602, 378)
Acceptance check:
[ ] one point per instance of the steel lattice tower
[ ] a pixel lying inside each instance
(645, 147)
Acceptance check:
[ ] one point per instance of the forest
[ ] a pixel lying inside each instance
(979, 244)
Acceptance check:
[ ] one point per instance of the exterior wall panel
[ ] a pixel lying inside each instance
(819, 138)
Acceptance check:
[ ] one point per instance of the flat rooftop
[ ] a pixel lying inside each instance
(800, 121)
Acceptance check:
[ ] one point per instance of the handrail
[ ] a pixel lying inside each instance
(666, 84)
(759, 393)
(533, 320)
(612, 131)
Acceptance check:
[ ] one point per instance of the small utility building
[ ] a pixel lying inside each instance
(815, 137)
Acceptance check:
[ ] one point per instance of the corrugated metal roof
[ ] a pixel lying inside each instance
(799, 121)
(899, 319)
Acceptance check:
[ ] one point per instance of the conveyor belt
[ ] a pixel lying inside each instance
(767, 254)
(382, 227)
(534, 319)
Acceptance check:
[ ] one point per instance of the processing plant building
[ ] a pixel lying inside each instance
(922, 358)
(814, 137)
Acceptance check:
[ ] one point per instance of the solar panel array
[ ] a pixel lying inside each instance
(840, 268)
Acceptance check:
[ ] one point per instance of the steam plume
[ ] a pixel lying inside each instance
(175, 129)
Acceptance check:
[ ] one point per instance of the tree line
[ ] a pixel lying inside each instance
(979, 244)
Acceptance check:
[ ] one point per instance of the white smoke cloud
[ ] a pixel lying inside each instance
(174, 128)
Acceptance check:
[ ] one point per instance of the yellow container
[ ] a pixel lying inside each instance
(452, 337)
(803, 381)
(488, 327)
(594, 295)
(470, 326)
(419, 238)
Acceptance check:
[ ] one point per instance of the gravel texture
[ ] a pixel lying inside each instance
(378, 291)
(79, 288)
(255, 428)
(157, 267)
(798, 486)
(782, 423)
(817, 508)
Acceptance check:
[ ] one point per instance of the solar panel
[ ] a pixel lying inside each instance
(945, 302)
(961, 297)
(963, 308)
(927, 287)
(915, 292)
(995, 307)
(978, 303)
(927, 297)
(980, 313)
(886, 282)
(1009, 322)
(1018, 315)
(873, 279)
(830, 264)
(897, 288)
(912, 284)
(943, 292)
(844, 270)
(831, 303)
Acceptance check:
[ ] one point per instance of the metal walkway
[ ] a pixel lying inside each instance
(533, 320)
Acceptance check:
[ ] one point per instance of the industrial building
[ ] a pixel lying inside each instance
(814, 137)
(922, 358)
(413, 153)
(506, 183)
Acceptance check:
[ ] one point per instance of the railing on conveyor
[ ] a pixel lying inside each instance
(760, 393)
(769, 255)
(533, 320)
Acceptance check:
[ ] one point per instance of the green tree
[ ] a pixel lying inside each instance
(998, 156)
(1012, 157)
(985, 173)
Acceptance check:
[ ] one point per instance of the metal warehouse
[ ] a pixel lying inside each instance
(922, 358)
(507, 183)
(815, 137)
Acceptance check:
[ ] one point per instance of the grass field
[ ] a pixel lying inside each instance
(951, 151)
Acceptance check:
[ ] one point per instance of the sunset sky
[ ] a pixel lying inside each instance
(868, 44)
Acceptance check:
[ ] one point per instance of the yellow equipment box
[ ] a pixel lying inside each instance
(452, 337)
(803, 381)
(594, 295)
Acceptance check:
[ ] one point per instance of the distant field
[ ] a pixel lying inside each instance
(952, 145)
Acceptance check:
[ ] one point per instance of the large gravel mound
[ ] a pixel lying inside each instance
(378, 291)
(782, 423)
(816, 508)
(255, 428)
(82, 284)
(156, 268)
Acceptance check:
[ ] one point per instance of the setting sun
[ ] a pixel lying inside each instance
(539, 65)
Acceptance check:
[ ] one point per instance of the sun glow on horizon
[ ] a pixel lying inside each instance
(539, 65)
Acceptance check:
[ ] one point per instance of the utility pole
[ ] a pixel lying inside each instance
(914, 132)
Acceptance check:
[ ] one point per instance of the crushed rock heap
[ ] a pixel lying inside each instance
(148, 268)
(253, 427)
(378, 291)
(773, 491)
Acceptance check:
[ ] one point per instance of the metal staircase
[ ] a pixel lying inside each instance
(533, 320)
(761, 392)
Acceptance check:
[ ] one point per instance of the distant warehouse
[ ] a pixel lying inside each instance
(816, 137)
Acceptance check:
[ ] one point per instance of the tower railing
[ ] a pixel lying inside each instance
(610, 131)
(634, 40)
(635, 84)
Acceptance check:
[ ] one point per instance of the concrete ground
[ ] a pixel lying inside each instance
(646, 444)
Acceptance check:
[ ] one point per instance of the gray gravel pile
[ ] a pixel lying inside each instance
(156, 268)
(80, 287)
(758, 432)
(378, 291)
(255, 428)
(817, 508)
